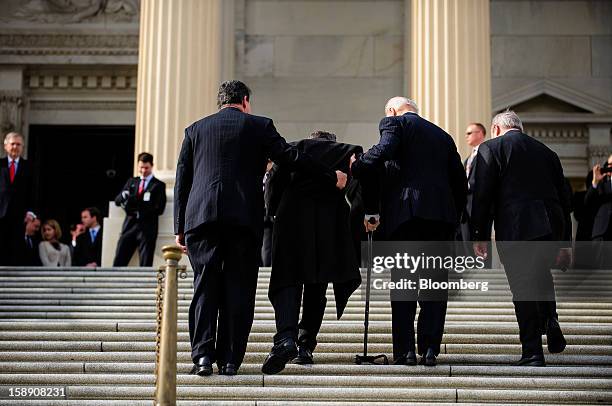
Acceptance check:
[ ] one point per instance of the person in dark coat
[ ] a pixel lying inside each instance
(15, 198)
(218, 215)
(521, 188)
(599, 196)
(29, 255)
(88, 249)
(421, 201)
(312, 246)
(144, 199)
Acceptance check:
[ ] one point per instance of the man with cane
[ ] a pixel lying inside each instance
(421, 202)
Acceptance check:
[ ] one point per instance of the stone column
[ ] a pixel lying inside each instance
(11, 100)
(186, 50)
(450, 63)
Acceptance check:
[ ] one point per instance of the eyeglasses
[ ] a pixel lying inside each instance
(471, 132)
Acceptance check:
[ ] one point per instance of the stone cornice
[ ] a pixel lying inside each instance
(557, 90)
(95, 105)
(68, 44)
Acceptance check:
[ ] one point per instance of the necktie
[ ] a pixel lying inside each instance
(468, 166)
(141, 187)
(12, 171)
(92, 232)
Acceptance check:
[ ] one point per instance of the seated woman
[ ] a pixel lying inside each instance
(51, 251)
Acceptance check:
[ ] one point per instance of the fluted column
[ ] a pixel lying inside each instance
(186, 50)
(450, 62)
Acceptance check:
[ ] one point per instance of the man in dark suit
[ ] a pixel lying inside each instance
(599, 196)
(475, 135)
(29, 255)
(422, 202)
(15, 198)
(218, 213)
(312, 246)
(144, 199)
(520, 186)
(88, 249)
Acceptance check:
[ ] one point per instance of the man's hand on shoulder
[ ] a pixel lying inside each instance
(341, 180)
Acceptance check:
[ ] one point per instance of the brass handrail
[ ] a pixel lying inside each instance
(167, 306)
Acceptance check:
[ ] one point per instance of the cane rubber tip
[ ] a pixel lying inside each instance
(172, 252)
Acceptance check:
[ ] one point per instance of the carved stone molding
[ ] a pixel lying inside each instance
(558, 133)
(11, 111)
(95, 105)
(81, 81)
(78, 11)
(71, 44)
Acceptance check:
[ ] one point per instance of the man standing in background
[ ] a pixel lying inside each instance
(475, 134)
(144, 199)
(15, 198)
(29, 254)
(599, 196)
(88, 249)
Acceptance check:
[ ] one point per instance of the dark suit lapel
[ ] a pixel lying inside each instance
(5, 171)
(150, 185)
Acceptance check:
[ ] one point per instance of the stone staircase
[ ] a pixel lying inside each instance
(93, 332)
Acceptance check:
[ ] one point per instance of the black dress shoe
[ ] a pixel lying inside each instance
(281, 353)
(554, 337)
(304, 356)
(228, 369)
(532, 361)
(407, 359)
(202, 367)
(429, 359)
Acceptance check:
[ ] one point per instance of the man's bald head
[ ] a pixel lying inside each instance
(398, 105)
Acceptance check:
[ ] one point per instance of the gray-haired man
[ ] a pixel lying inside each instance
(520, 186)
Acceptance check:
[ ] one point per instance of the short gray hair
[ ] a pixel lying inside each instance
(399, 101)
(12, 134)
(507, 119)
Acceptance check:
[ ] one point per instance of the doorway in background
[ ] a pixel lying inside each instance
(77, 167)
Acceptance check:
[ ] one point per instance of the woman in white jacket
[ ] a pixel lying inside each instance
(51, 251)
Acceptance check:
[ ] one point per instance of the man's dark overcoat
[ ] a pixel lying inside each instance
(312, 241)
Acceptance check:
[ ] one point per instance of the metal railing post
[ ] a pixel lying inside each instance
(165, 386)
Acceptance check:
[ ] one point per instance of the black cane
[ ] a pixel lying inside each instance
(365, 358)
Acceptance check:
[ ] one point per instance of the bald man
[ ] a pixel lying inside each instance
(421, 203)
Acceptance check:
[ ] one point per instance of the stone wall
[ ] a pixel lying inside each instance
(327, 65)
(552, 62)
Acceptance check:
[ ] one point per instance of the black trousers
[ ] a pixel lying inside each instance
(527, 266)
(134, 235)
(430, 326)
(225, 265)
(286, 303)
